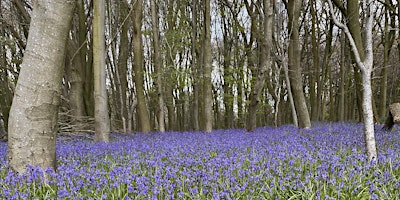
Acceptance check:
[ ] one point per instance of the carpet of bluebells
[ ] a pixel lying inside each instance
(324, 162)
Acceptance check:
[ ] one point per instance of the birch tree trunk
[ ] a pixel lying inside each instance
(32, 124)
(265, 64)
(365, 66)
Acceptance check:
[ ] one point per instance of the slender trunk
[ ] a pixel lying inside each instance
(207, 96)
(101, 117)
(388, 42)
(294, 51)
(290, 95)
(73, 68)
(368, 115)
(264, 66)
(195, 71)
(315, 74)
(343, 65)
(143, 114)
(365, 64)
(88, 86)
(5, 89)
(158, 66)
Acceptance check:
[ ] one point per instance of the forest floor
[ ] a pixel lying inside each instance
(327, 161)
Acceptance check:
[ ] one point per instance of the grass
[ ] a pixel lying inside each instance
(324, 162)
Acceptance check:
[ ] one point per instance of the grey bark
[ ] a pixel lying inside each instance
(143, 114)
(123, 64)
(389, 37)
(294, 8)
(158, 66)
(101, 117)
(73, 71)
(207, 95)
(264, 66)
(33, 117)
(365, 64)
(195, 71)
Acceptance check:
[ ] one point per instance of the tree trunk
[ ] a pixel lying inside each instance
(73, 71)
(294, 8)
(5, 89)
(33, 117)
(195, 69)
(207, 96)
(85, 56)
(290, 95)
(123, 65)
(264, 66)
(343, 66)
(101, 117)
(157, 66)
(365, 64)
(353, 22)
(143, 114)
(88, 86)
(315, 98)
(389, 36)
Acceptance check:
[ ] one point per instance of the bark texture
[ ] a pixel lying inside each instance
(33, 116)
(294, 8)
(364, 62)
(207, 96)
(101, 118)
(158, 66)
(143, 114)
(265, 64)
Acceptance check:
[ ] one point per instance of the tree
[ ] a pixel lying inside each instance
(143, 114)
(101, 118)
(158, 66)
(388, 40)
(195, 71)
(265, 63)
(293, 9)
(122, 71)
(32, 124)
(76, 62)
(365, 65)
(315, 71)
(207, 96)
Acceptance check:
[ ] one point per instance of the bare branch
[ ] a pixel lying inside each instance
(349, 36)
